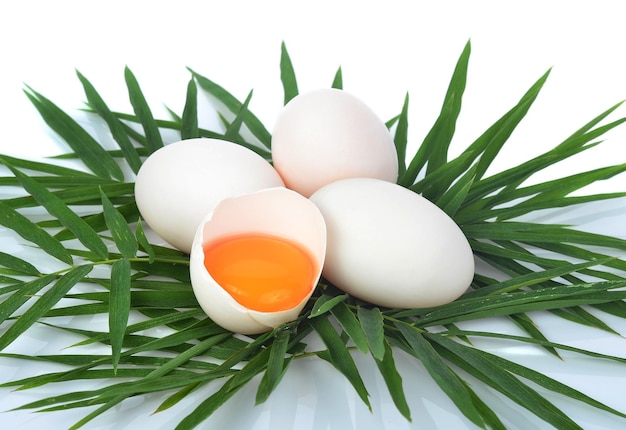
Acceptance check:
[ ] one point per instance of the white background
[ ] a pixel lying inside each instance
(385, 49)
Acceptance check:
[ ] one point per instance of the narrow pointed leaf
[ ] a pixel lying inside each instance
(232, 133)
(338, 80)
(189, 120)
(115, 126)
(119, 307)
(434, 149)
(275, 366)
(325, 303)
(17, 264)
(26, 291)
(350, 324)
(340, 357)
(43, 304)
(143, 242)
(255, 126)
(154, 140)
(57, 208)
(372, 323)
(287, 75)
(400, 138)
(117, 225)
(387, 367)
(447, 380)
(82, 143)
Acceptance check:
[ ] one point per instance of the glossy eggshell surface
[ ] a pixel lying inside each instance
(180, 183)
(277, 212)
(328, 134)
(391, 247)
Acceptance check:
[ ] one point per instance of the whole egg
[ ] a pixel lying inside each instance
(181, 182)
(391, 247)
(328, 134)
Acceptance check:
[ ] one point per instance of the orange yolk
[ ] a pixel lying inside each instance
(262, 273)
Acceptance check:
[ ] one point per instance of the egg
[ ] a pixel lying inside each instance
(181, 182)
(391, 247)
(328, 134)
(256, 259)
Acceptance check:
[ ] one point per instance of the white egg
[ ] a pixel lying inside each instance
(328, 134)
(180, 183)
(391, 247)
(251, 289)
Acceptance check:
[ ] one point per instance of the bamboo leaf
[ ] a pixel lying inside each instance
(232, 133)
(434, 149)
(189, 120)
(30, 231)
(119, 307)
(255, 126)
(393, 380)
(447, 380)
(287, 75)
(154, 140)
(338, 80)
(115, 126)
(57, 208)
(372, 323)
(400, 138)
(143, 242)
(350, 324)
(340, 357)
(276, 366)
(17, 264)
(86, 147)
(43, 304)
(25, 292)
(325, 303)
(116, 223)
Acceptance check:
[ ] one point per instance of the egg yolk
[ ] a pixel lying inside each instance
(262, 273)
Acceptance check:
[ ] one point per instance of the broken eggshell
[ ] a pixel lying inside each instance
(276, 212)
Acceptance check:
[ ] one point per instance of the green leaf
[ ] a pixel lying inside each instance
(287, 75)
(372, 323)
(350, 324)
(154, 140)
(189, 120)
(43, 304)
(57, 208)
(340, 357)
(121, 232)
(115, 126)
(30, 231)
(232, 133)
(447, 380)
(325, 303)
(393, 380)
(400, 138)
(255, 126)
(86, 147)
(276, 366)
(483, 368)
(25, 292)
(143, 242)
(119, 307)
(434, 149)
(17, 264)
(338, 80)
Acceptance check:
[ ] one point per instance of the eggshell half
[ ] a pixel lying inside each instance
(276, 212)
(328, 134)
(180, 183)
(390, 246)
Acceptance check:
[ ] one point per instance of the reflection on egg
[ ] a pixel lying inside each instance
(257, 258)
(328, 134)
(180, 183)
(390, 246)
